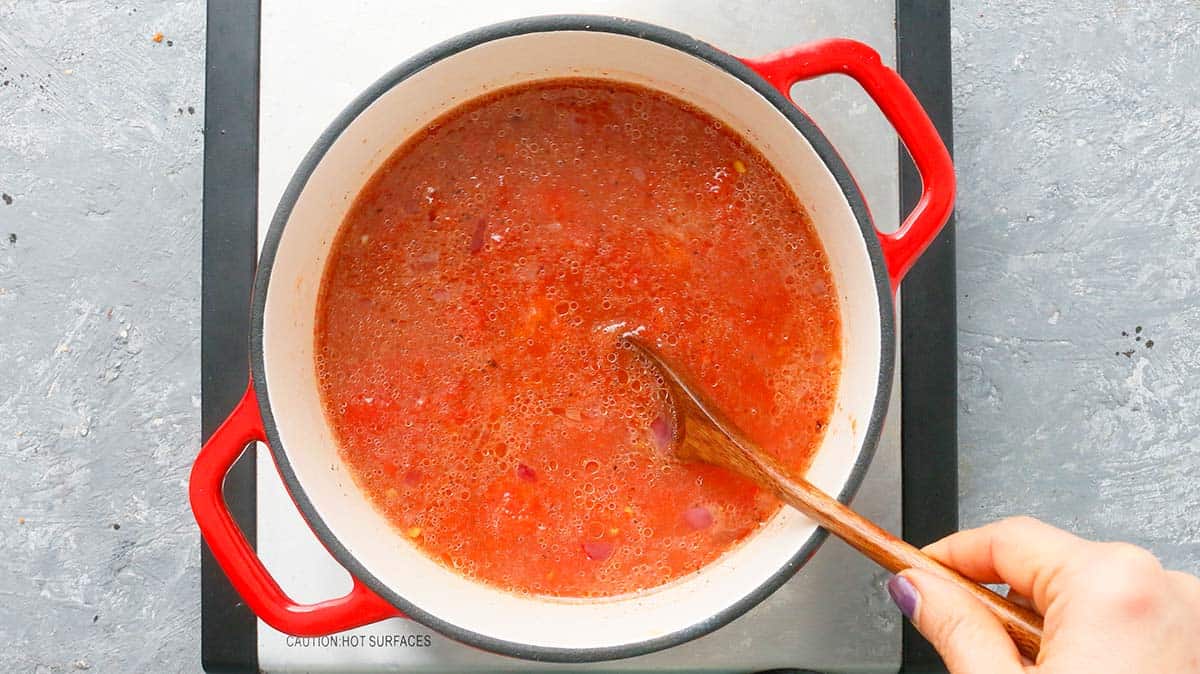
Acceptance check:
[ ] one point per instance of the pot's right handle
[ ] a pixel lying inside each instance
(898, 104)
(238, 559)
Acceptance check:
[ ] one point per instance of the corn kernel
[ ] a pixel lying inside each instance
(739, 166)
(614, 531)
(413, 532)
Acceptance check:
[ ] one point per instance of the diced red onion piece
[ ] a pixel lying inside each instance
(525, 473)
(598, 550)
(427, 261)
(661, 433)
(477, 237)
(698, 517)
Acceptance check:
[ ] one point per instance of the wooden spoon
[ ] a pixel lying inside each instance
(702, 433)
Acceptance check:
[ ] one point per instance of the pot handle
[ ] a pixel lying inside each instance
(238, 559)
(898, 104)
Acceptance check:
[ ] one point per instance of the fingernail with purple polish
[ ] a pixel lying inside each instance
(904, 594)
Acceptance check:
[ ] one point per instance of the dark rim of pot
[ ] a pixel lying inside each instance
(619, 26)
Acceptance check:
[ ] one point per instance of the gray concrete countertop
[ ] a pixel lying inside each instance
(1079, 223)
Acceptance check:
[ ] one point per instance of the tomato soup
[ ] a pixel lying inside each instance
(468, 335)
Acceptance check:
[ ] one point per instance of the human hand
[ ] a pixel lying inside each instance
(1108, 607)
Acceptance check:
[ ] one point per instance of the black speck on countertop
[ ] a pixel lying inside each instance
(12, 238)
(7, 199)
(1149, 343)
(116, 527)
(191, 110)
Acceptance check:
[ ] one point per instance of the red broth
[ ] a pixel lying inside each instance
(468, 329)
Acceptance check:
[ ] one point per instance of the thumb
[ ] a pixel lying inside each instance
(965, 633)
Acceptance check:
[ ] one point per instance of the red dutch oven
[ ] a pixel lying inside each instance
(282, 406)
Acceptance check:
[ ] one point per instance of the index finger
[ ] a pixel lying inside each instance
(1021, 551)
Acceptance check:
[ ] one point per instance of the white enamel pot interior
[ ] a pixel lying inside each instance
(298, 246)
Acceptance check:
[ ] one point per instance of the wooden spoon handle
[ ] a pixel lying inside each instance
(703, 433)
(1023, 625)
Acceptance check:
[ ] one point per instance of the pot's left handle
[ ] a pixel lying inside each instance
(898, 104)
(240, 562)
